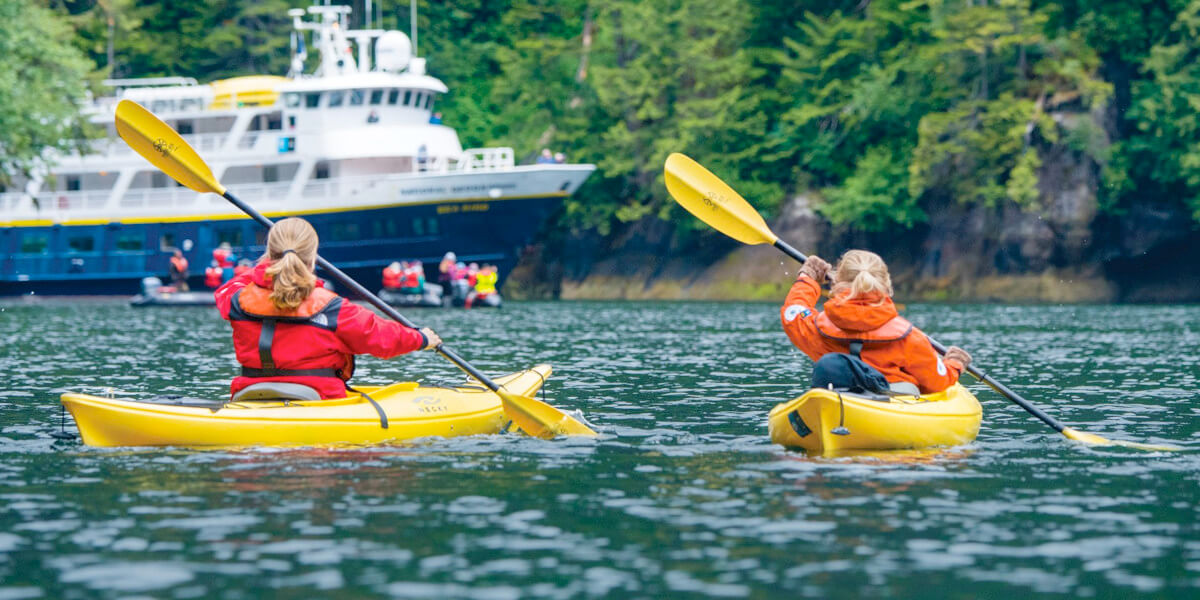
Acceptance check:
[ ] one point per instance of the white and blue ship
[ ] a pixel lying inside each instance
(354, 147)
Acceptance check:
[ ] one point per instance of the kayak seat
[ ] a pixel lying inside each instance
(276, 390)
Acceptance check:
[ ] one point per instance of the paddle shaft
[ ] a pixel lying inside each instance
(980, 375)
(386, 308)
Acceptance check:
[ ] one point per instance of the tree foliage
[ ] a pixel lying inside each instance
(883, 106)
(42, 89)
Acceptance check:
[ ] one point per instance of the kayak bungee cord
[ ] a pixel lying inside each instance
(712, 201)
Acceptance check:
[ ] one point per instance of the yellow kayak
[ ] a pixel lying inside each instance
(412, 411)
(809, 422)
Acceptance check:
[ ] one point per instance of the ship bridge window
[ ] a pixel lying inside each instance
(166, 242)
(336, 98)
(321, 170)
(407, 97)
(429, 101)
(129, 241)
(356, 97)
(417, 101)
(190, 104)
(270, 174)
(34, 243)
(72, 183)
(184, 127)
(81, 243)
(312, 100)
(291, 100)
(376, 97)
(393, 95)
(158, 179)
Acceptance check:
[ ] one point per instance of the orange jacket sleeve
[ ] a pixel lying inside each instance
(798, 313)
(933, 374)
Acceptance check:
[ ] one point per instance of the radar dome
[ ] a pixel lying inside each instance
(393, 51)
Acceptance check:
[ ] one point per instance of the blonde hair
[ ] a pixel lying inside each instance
(863, 273)
(291, 272)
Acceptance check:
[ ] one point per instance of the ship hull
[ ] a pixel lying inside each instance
(360, 241)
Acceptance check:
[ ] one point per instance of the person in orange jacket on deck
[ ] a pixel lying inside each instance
(212, 275)
(860, 322)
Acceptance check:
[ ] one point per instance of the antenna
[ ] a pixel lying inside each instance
(413, 24)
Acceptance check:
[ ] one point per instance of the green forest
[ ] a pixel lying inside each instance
(882, 107)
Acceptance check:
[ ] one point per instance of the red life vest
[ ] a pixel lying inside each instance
(212, 277)
(179, 264)
(221, 255)
(319, 310)
(411, 280)
(392, 277)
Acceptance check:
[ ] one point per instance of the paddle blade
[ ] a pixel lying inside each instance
(164, 148)
(714, 202)
(539, 419)
(1091, 438)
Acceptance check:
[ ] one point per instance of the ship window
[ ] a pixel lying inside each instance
(275, 121)
(270, 174)
(384, 229)
(356, 97)
(291, 100)
(34, 243)
(321, 170)
(336, 98)
(129, 241)
(312, 100)
(376, 96)
(81, 243)
(260, 236)
(432, 225)
(418, 99)
(231, 236)
(418, 226)
(429, 101)
(184, 127)
(158, 179)
(72, 183)
(393, 95)
(195, 104)
(166, 242)
(342, 232)
(407, 97)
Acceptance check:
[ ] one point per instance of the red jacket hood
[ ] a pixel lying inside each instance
(860, 314)
(260, 278)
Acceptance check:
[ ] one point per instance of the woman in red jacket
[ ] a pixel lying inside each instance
(860, 319)
(287, 328)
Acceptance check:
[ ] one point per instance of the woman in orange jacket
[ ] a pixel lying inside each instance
(860, 320)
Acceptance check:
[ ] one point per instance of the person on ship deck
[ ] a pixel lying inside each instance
(859, 334)
(179, 271)
(288, 329)
(413, 281)
(212, 275)
(392, 276)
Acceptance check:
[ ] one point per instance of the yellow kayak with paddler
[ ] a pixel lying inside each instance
(411, 411)
(826, 421)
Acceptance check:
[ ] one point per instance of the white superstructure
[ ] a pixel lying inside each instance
(359, 132)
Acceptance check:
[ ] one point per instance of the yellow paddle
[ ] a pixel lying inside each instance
(165, 149)
(714, 202)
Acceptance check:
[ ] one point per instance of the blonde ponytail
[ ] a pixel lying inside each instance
(863, 273)
(292, 252)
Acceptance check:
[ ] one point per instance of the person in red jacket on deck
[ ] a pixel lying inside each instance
(212, 275)
(860, 319)
(392, 276)
(288, 328)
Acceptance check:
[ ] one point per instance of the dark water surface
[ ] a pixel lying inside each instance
(681, 496)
